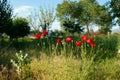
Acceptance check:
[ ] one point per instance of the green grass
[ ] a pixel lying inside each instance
(62, 68)
(64, 61)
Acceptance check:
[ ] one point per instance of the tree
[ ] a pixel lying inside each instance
(20, 28)
(89, 12)
(104, 19)
(33, 22)
(42, 19)
(84, 12)
(5, 16)
(114, 6)
(73, 27)
(46, 18)
(67, 13)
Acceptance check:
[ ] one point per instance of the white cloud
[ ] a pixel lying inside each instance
(22, 9)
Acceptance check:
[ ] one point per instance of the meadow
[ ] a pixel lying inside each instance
(46, 59)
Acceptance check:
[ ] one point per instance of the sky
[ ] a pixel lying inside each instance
(23, 8)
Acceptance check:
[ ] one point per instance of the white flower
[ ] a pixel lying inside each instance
(16, 54)
(20, 51)
(13, 62)
(18, 70)
(25, 56)
(21, 57)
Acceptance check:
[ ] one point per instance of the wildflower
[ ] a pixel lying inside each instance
(90, 40)
(20, 51)
(25, 56)
(92, 44)
(84, 38)
(38, 36)
(45, 32)
(68, 39)
(58, 41)
(78, 43)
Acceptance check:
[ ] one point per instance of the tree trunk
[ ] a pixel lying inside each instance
(88, 31)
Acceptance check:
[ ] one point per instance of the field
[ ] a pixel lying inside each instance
(44, 59)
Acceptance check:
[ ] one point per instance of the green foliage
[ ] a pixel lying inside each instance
(68, 13)
(89, 12)
(104, 19)
(20, 28)
(114, 6)
(5, 16)
(60, 68)
(20, 64)
(73, 27)
(85, 12)
(105, 70)
(67, 10)
(106, 46)
(63, 61)
(105, 30)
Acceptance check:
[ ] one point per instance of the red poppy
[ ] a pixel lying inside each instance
(58, 41)
(38, 36)
(92, 44)
(78, 43)
(45, 32)
(84, 38)
(90, 40)
(68, 39)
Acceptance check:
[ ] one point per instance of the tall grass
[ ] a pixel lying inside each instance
(65, 61)
(67, 68)
(106, 46)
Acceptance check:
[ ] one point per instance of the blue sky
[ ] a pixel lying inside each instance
(23, 8)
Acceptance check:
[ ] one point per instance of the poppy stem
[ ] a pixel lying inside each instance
(56, 49)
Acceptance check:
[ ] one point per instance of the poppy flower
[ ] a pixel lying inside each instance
(68, 39)
(92, 44)
(78, 43)
(58, 41)
(84, 38)
(45, 32)
(90, 40)
(38, 36)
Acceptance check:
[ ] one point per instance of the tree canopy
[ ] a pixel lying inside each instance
(85, 12)
(20, 28)
(68, 12)
(41, 19)
(5, 16)
(89, 13)
(114, 6)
